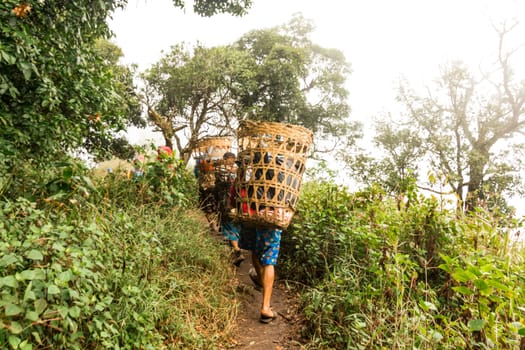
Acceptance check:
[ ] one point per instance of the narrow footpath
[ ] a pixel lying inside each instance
(282, 333)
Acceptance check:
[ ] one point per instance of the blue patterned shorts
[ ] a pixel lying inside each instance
(264, 242)
(230, 230)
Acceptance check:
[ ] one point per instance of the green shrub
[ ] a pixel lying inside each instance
(168, 184)
(100, 267)
(58, 285)
(377, 274)
(321, 231)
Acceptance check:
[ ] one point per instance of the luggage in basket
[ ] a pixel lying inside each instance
(271, 161)
(208, 151)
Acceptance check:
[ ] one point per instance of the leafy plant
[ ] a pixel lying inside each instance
(375, 274)
(95, 266)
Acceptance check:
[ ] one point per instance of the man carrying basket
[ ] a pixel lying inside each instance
(225, 174)
(271, 164)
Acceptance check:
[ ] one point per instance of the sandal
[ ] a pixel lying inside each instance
(267, 319)
(238, 258)
(255, 279)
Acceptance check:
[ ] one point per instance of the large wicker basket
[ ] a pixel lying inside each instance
(208, 151)
(272, 160)
(213, 147)
(225, 174)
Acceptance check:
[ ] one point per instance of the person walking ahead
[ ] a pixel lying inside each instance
(224, 183)
(264, 243)
(205, 175)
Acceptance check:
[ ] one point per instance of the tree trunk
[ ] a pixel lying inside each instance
(459, 194)
(477, 163)
(164, 125)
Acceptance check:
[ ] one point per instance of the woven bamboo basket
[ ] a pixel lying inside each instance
(214, 147)
(210, 150)
(271, 162)
(225, 174)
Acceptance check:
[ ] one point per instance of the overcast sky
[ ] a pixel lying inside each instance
(382, 39)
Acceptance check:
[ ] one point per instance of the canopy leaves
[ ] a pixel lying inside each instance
(274, 74)
(59, 92)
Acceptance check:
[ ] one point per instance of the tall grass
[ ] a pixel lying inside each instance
(380, 275)
(113, 263)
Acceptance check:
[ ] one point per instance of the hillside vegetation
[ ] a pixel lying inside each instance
(383, 273)
(125, 262)
(113, 263)
(118, 262)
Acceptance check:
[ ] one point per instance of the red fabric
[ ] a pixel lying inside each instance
(164, 153)
(244, 206)
(165, 150)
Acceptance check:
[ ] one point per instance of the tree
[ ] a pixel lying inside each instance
(55, 90)
(467, 124)
(210, 8)
(48, 77)
(192, 92)
(394, 165)
(297, 81)
(274, 74)
(110, 142)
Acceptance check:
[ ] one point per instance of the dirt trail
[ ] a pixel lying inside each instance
(282, 333)
(250, 334)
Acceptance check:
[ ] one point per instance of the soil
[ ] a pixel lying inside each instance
(281, 334)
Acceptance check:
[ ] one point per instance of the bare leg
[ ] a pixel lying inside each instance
(268, 277)
(258, 267)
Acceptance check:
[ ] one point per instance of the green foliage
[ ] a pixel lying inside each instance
(59, 89)
(52, 79)
(90, 268)
(296, 81)
(212, 7)
(58, 284)
(322, 226)
(396, 171)
(487, 292)
(378, 273)
(165, 183)
(194, 88)
(128, 104)
(275, 74)
(77, 271)
(57, 94)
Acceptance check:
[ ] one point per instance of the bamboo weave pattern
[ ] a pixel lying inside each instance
(208, 151)
(271, 165)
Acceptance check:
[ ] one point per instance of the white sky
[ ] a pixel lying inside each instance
(382, 39)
